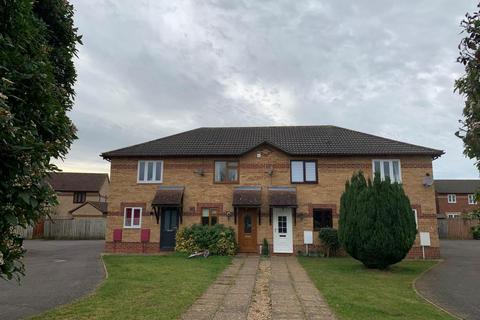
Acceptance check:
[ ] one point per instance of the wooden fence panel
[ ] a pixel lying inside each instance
(456, 229)
(25, 233)
(76, 229)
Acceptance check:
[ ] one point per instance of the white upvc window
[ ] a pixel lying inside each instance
(452, 198)
(132, 217)
(150, 171)
(415, 213)
(388, 168)
(453, 215)
(472, 199)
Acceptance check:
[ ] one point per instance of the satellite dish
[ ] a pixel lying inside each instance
(427, 181)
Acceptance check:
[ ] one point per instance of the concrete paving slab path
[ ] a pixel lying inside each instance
(254, 289)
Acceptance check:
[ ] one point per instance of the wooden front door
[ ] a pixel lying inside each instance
(168, 228)
(247, 229)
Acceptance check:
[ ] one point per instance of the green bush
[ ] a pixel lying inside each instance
(476, 232)
(218, 240)
(376, 226)
(329, 239)
(265, 249)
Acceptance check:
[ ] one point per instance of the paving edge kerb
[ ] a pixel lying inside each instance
(414, 287)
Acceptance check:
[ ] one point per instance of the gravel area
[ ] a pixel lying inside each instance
(261, 305)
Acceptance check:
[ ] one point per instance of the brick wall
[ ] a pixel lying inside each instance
(461, 206)
(332, 174)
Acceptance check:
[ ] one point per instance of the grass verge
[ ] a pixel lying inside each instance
(145, 287)
(355, 292)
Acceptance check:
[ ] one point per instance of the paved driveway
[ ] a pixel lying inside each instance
(57, 272)
(455, 283)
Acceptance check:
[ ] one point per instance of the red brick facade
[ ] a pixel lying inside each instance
(272, 168)
(460, 206)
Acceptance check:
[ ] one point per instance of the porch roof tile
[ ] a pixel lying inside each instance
(282, 197)
(168, 196)
(247, 196)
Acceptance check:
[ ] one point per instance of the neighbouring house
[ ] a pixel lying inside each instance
(455, 197)
(79, 194)
(265, 182)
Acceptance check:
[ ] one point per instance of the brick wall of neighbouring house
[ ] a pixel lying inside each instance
(461, 206)
(201, 191)
(65, 203)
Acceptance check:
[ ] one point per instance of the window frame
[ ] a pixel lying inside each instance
(145, 172)
(209, 216)
(321, 209)
(304, 171)
(470, 197)
(132, 226)
(227, 161)
(454, 198)
(453, 215)
(382, 169)
(84, 196)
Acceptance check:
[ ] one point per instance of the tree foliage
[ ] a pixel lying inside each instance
(329, 239)
(376, 226)
(37, 45)
(469, 86)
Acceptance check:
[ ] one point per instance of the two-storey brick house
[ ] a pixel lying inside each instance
(455, 197)
(265, 182)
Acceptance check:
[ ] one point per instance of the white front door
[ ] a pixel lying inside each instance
(282, 230)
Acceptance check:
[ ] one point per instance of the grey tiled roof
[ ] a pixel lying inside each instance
(293, 140)
(76, 181)
(457, 186)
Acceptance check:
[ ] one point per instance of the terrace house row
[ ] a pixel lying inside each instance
(265, 182)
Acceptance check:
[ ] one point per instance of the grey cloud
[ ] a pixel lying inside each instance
(153, 68)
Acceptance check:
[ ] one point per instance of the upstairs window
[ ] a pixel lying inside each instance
(322, 218)
(226, 171)
(453, 215)
(79, 197)
(472, 199)
(388, 169)
(209, 216)
(132, 217)
(150, 171)
(452, 198)
(303, 171)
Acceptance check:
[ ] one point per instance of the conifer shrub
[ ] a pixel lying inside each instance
(376, 225)
(217, 239)
(329, 239)
(265, 248)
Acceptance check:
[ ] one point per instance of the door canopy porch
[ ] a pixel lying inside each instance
(247, 196)
(282, 197)
(167, 196)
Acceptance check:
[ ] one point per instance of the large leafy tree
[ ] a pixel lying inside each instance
(37, 46)
(469, 85)
(376, 226)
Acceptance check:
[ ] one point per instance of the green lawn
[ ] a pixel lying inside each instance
(354, 292)
(145, 287)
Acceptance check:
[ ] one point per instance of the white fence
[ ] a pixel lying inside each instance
(76, 229)
(25, 233)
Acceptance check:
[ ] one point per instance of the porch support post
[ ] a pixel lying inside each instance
(271, 215)
(294, 210)
(259, 212)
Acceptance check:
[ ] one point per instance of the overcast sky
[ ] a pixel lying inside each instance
(149, 69)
